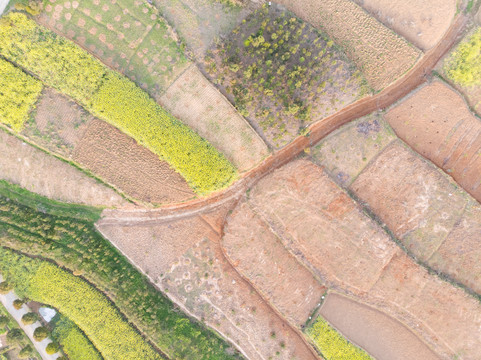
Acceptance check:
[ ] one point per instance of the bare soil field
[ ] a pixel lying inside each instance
(329, 233)
(201, 22)
(58, 123)
(260, 256)
(422, 22)
(184, 258)
(378, 52)
(445, 132)
(199, 104)
(130, 167)
(43, 174)
(128, 35)
(366, 326)
(347, 151)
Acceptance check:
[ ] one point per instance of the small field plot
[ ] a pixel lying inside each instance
(43, 174)
(201, 22)
(436, 122)
(122, 162)
(281, 73)
(347, 151)
(422, 22)
(201, 106)
(57, 124)
(260, 256)
(18, 94)
(130, 36)
(462, 68)
(378, 52)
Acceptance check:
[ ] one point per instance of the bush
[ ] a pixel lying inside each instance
(40, 333)
(3, 321)
(26, 352)
(114, 99)
(5, 287)
(18, 303)
(52, 348)
(18, 95)
(29, 318)
(14, 336)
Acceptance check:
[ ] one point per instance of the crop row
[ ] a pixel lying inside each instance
(18, 94)
(45, 282)
(332, 344)
(73, 242)
(63, 65)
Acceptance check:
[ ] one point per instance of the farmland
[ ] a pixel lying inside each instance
(70, 240)
(94, 85)
(380, 54)
(282, 73)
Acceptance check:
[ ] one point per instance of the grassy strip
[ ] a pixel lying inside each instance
(18, 94)
(115, 99)
(45, 282)
(332, 344)
(46, 205)
(463, 65)
(73, 341)
(75, 244)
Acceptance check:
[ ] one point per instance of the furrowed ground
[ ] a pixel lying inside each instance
(380, 54)
(282, 74)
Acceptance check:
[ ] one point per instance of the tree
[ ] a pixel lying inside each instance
(40, 333)
(18, 303)
(52, 348)
(3, 321)
(5, 287)
(14, 336)
(25, 352)
(29, 318)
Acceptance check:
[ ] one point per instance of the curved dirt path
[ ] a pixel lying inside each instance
(411, 80)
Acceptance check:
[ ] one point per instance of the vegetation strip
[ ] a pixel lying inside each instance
(77, 74)
(18, 94)
(332, 344)
(75, 244)
(44, 282)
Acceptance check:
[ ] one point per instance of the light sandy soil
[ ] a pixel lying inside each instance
(128, 166)
(346, 152)
(444, 131)
(43, 174)
(379, 53)
(201, 106)
(184, 258)
(422, 22)
(433, 218)
(260, 256)
(380, 335)
(59, 123)
(326, 231)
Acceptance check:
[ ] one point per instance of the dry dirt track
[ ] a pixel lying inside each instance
(415, 77)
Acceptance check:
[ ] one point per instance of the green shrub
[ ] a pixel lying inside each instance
(333, 345)
(18, 94)
(3, 321)
(26, 352)
(52, 348)
(115, 99)
(40, 333)
(29, 318)
(464, 64)
(18, 303)
(5, 287)
(14, 336)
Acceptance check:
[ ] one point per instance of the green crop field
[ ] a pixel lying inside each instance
(71, 241)
(77, 74)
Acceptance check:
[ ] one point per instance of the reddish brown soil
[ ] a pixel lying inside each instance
(36, 171)
(422, 22)
(184, 258)
(445, 132)
(59, 123)
(365, 326)
(122, 162)
(260, 256)
(328, 233)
